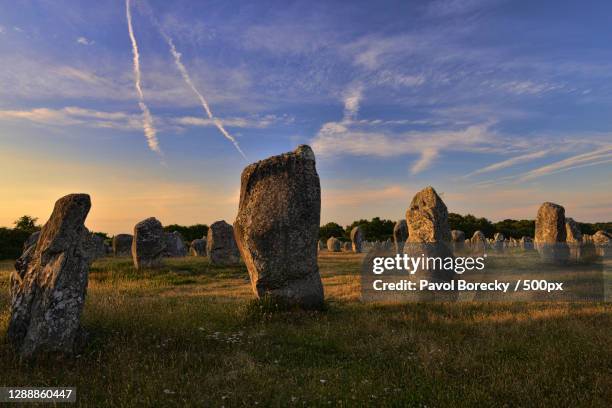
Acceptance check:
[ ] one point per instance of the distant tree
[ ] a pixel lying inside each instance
(11, 242)
(27, 223)
(331, 229)
(376, 229)
(515, 228)
(189, 233)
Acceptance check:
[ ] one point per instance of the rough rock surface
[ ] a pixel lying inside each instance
(357, 240)
(175, 245)
(550, 224)
(427, 218)
(149, 244)
(550, 233)
(198, 247)
(47, 296)
(333, 244)
(400, 235)
(601, 238)
(277, 227)
(478, 240)
(429, 234)
(32, 240)
(573, 235)
(122, 245)
(221, 245)
(457, 236)
(94, 245)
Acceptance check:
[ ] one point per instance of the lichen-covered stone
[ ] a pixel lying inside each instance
(122, 245)
(221, 247)
(47, 296)
(573, 235)
(149, 244)
(400, 235)
(550, 232)
(277, 227)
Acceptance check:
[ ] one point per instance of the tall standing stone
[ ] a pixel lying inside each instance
(357, 240)
(149, 244)
(550, 232)
(400, 235)
(122, 245)
(221, 245)
(429, 234)
(277, 227)
(47, 296)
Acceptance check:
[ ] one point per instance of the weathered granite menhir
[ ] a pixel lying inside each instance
(277, 227)
(48, 290)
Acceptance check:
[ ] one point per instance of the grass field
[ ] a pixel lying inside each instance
(192, 335)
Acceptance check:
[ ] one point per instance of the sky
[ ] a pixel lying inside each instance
(499, 105)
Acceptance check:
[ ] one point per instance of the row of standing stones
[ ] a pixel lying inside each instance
(275, 233)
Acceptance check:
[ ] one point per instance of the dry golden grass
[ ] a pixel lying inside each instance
(191, 335)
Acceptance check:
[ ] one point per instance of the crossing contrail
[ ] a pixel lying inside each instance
(147, 118)
(185, 74)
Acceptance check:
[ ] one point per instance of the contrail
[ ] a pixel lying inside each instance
(187, 78)
(149, 129)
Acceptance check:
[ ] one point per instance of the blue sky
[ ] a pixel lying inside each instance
(500, 105)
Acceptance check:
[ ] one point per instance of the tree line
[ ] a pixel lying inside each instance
(376, 229)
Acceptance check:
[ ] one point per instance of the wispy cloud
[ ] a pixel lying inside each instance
(595, 157)
(524, 158)
(78, 116)
(84, 41)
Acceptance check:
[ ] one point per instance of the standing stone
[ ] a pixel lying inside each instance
(478, 242)
(94, 245)
(526, 242)
(498, 241)
(148, 245)
(122, 245)
(357, 240)
(429, 233)
(601, 238)
(400, 235)
(198, 247)
(333, 244)
(427, 218)
(573, 235)
(277, 227)
(221, 245)
(346, 246)
(321, 245)
(175, 245)
(457, 240)
(47, 296)
(29, 246)
(550, 232)
(457, 236)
